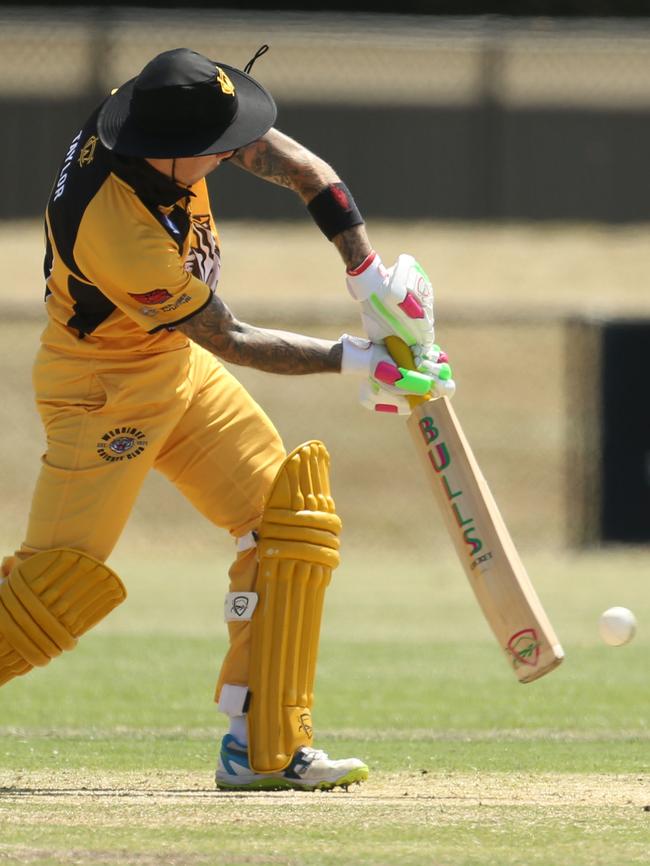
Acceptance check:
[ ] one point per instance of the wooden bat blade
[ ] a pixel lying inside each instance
(483, 543)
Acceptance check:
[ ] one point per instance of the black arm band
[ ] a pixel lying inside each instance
(334, 210)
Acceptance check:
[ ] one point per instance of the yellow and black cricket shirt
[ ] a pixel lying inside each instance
(129, 254)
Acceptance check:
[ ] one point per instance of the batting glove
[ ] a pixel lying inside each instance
(396, 301)
(386, 385)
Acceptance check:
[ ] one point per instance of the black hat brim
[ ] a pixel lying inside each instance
(256, 113)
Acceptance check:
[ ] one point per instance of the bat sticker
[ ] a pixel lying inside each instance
(523, 646)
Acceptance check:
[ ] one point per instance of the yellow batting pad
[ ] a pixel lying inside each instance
(298, 548)
(47, 603)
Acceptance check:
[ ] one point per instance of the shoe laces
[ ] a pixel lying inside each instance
(313, 754)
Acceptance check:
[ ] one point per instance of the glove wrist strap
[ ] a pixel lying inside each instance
(365, 279)
(355, 357)
(369, 259)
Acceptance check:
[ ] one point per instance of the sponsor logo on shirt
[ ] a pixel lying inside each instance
(156, 296)
(182, 299)
(87, 152)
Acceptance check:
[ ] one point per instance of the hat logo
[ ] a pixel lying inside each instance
(87, 152)
(225, 83)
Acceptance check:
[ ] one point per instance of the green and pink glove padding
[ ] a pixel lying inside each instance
(386, 386)
(397, 301)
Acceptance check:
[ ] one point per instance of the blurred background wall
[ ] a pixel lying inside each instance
(433, 117)
(509, 155)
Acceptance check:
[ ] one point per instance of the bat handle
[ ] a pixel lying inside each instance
(402, 355)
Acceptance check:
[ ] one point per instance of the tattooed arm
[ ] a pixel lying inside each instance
(279, 159)
(217, 330)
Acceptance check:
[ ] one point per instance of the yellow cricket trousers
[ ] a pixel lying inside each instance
(108, 422)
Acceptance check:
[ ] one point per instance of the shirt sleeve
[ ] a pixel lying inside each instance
(135, 263)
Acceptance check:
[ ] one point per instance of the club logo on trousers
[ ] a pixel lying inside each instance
(121, 443)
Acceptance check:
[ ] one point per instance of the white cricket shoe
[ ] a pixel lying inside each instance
(310, 770)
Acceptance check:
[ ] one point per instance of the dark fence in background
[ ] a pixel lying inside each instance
(625, 424)
(456, 163)
(424, 119)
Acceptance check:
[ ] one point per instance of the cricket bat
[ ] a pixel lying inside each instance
(489, 557)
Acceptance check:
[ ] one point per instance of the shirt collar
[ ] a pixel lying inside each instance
(150, 185)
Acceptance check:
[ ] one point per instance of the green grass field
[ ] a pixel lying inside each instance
(107, 755)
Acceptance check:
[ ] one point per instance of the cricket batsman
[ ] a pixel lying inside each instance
(128, 377)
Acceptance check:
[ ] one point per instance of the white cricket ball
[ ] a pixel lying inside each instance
(617, 626)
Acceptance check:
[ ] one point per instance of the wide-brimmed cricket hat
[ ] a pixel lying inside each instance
(183, 104)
